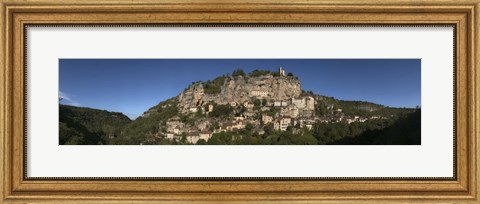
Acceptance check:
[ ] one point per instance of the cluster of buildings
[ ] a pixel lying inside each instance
(347, 119)
(298, 112)
(283, 122)
(291, 112)
(176, 130)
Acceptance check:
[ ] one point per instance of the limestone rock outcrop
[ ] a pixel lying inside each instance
(240, 89)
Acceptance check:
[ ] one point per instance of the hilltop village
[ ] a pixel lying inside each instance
(259, 108)
(260, 100)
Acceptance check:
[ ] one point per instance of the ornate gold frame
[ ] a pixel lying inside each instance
(16, 14)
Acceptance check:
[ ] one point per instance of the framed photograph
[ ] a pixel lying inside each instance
(245, 101)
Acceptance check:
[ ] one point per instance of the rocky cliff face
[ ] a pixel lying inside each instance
(240, 89)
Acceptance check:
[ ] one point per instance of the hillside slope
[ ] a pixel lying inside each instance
(261, 107)
(81, 126)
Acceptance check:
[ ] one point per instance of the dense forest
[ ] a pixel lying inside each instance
(82, 126)
(404, 131)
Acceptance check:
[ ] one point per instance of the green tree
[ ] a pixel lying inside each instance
(257, 73)
(257, 102)
(214, 86)
(221, 111)
(201, 142)
(249, 127)
(238, 72)
(214, 126)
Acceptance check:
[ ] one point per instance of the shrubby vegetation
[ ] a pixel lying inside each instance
(137, 131)
(238, 72)
(273, 137)
(214, 86)
(257, 73)
(221, 111)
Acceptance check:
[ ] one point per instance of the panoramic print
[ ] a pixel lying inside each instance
(239, 102)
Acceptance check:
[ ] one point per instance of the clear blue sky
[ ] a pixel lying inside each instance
(132, 86)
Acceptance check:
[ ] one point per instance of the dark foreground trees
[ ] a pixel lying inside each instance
(82, 126)
(403, 130)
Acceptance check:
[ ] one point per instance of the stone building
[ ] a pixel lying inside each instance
(309, 103)
(193, 110)
(280, 103)
(170, 135)
(267, 119)
(205, 135)
(294, 112)
(283, 123)
(298, 102)
(259, 93)
(210, 108)
(193, 137)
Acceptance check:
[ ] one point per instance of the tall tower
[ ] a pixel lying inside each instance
(281, 71)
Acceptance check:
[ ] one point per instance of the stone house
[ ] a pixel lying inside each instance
(201, 125)
(193, 137)
(259, 93)
(304, 103)
(309, 103)
(280, 103)
(205, 135)
(229, 126)
(210, 108)
(226, 127)
(267, 119)
(170, 135)
(298, 102)
(239, 125)
(238, 118)
(294, 112)
(283, 123)
(177, 130)
(193, 110)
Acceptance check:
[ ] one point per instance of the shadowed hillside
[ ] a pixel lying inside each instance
(405, 131)
(89, 126)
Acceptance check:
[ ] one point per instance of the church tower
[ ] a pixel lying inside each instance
(281, 71)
